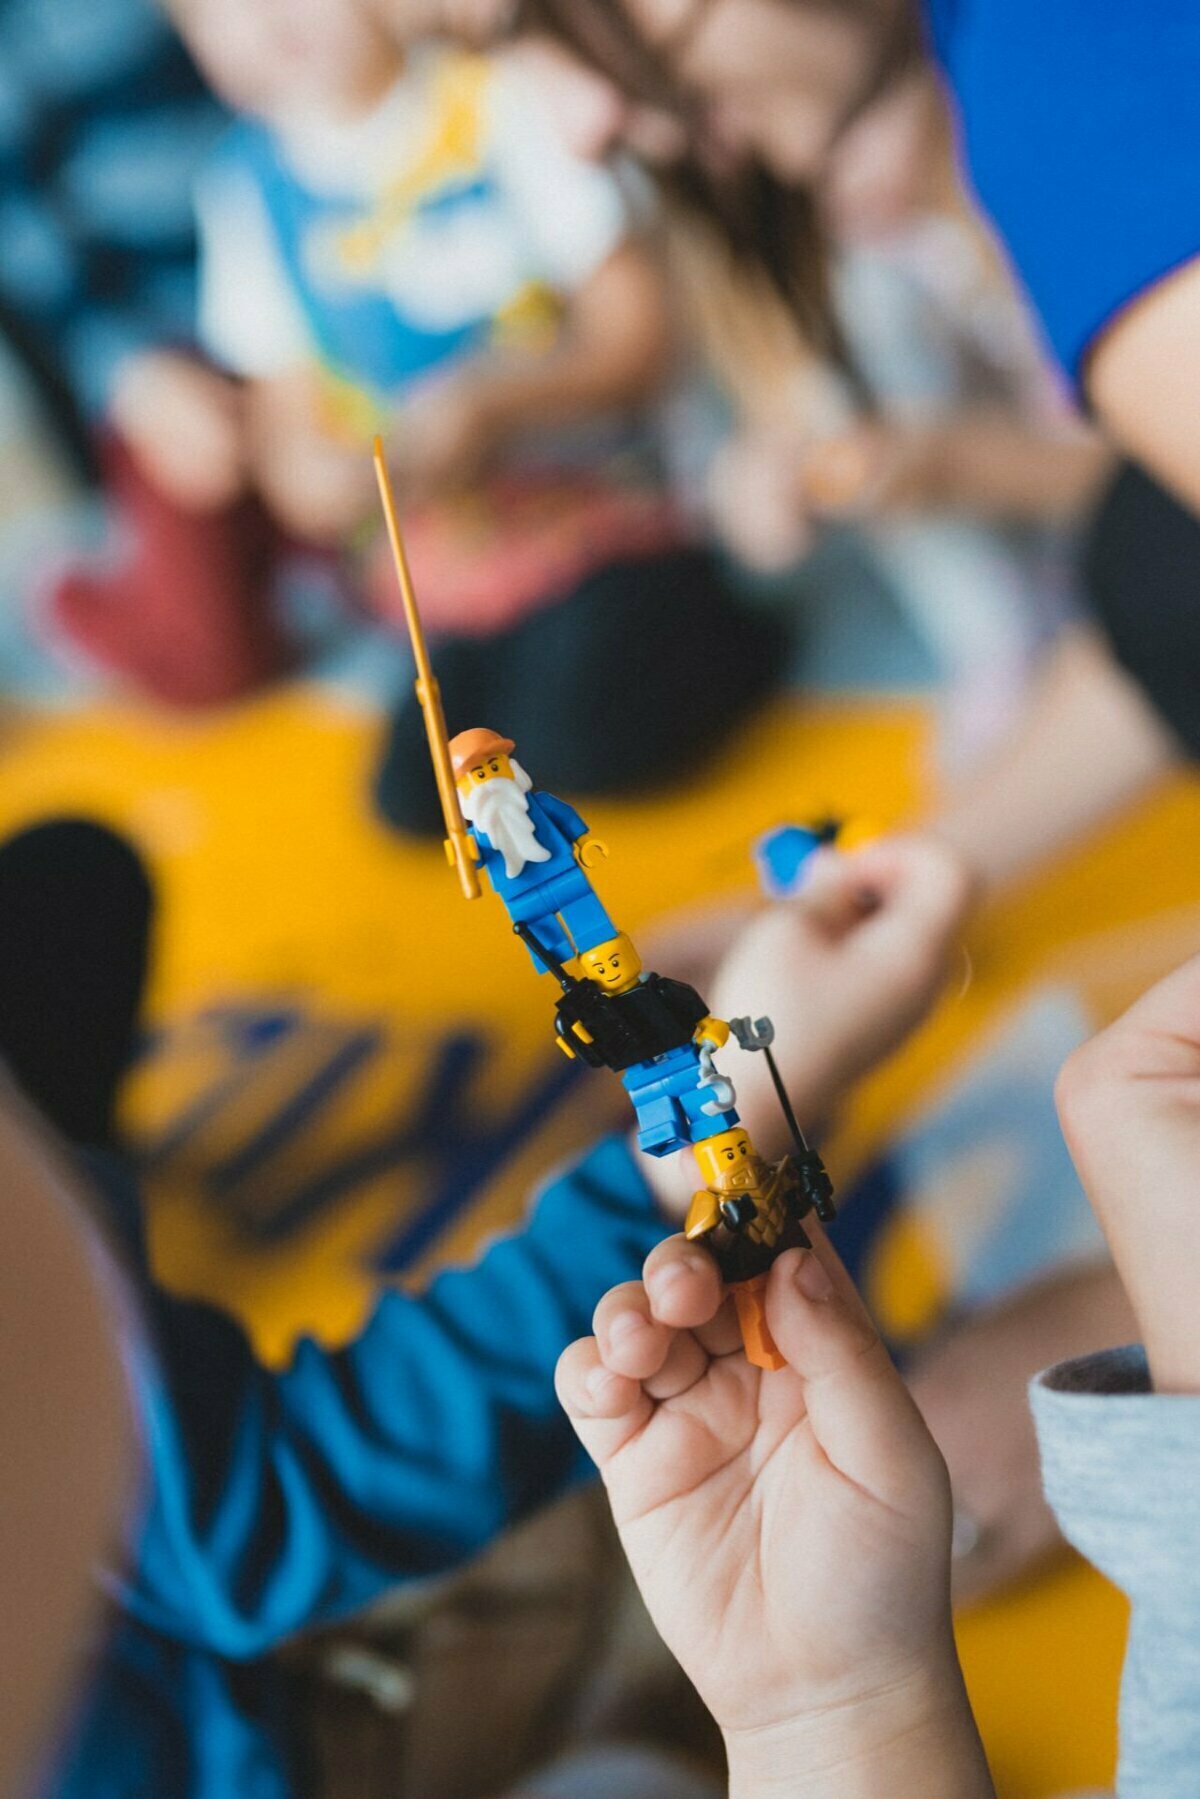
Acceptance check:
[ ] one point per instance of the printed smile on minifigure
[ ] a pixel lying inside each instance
(615, 966)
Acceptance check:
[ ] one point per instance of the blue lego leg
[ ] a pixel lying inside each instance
(701, 1124)
(669, 1102)
(585, 917)
(552, 937)
(662, 1127)
(565, 899)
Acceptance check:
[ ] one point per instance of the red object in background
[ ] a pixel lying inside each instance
(185, 613)
(486, 560)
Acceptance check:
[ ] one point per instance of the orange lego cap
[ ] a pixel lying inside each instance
(471, 747)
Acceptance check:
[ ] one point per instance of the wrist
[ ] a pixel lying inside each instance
(914, 1738)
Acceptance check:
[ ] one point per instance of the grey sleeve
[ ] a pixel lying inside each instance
(1121, 1467)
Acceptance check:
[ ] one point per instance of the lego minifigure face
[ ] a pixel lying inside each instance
(614, 965)
(726, 1158)
(489, 769)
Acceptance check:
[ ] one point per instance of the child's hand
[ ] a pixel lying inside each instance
(756, 499)
(446, 434)
(1129, 1102)
(184, 423)
(845, 970)
(790, 1531)
(319, 487)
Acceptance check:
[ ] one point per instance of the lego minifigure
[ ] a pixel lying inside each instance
(748, 1212)
(656, 1033)
(535, 848)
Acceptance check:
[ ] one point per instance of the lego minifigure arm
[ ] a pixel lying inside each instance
(563, 817)
(711, 1030)
(704, 1214)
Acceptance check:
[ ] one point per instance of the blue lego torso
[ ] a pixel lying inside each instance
(556, 827)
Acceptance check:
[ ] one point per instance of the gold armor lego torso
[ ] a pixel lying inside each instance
(748, 1252)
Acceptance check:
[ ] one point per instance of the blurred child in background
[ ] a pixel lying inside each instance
(791, 1532)
(942, 439)
(394, 238)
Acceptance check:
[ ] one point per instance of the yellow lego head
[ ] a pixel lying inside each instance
(614, 965)
(729, 1160)
(478, 756)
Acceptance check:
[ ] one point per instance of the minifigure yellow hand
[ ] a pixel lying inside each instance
(565, 1048)
(452, 859)
(589, 849)
(581, 1031)
(711, 1030)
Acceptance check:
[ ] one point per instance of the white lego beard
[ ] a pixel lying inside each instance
(499, 808)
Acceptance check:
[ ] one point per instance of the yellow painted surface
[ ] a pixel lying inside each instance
(278, 889)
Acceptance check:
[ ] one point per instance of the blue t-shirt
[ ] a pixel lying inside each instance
(277, 1502)
(1080, 129)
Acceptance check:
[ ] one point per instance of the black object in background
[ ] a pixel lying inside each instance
(75, 915)
(1142, 578)
(634, 681)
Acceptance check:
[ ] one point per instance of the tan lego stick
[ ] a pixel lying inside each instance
(428, 692)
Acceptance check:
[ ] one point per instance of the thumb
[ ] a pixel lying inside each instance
(1138, 1070)
(858, 1406)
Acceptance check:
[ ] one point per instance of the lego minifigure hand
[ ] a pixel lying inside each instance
(736, 1214)
(790, 1531)
(469, 844)
(565, 1047)
(589, 849)
(711, 1030)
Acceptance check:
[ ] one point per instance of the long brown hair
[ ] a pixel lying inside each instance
(770, 231)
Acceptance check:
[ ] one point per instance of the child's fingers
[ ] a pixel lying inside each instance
(631, 1341)
(683, 1283)
(920, 887)
(1156, 1039)
(1127, 1101)
(686, 1363)
(834, 896)
(606, 1409)
(724, 1334)
(859, 1409)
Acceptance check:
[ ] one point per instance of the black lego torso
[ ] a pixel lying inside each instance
(657, 1015)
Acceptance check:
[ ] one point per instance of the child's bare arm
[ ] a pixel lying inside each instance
(185, 425)
(318, 487)
(1129, 1102)
(1090, 724)
(612, 354)
(994, 465)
